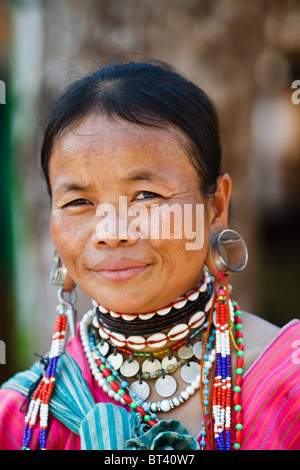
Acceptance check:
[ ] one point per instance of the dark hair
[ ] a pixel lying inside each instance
(145, 93)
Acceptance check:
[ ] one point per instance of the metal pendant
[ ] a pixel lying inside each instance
(129, 368)
(141, 389)
(166, 386)
(151, 365)
(190, 371)
(186, 352)
(172, 361)
(103, 347)
(116, 360)
(197, 349)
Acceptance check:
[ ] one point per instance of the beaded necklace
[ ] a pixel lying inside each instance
(112, 382)
(41, 398)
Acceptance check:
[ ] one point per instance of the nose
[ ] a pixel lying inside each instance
(112, 227)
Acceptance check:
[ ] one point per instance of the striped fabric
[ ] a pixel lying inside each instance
(271, 395)
(270, 401)
(101, 426)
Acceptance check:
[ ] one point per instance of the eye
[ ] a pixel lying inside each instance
(78, 202)
(146, 195)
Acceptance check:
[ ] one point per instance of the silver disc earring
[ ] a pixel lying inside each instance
(229, 251)
(58, 276)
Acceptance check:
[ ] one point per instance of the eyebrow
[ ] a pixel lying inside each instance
(143, 176)
(67, 187)
(146, 176)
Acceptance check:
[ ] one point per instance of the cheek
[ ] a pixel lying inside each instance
(184, 258)
(182, 233)
(68, 237)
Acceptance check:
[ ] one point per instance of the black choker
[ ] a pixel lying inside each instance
(155, 324)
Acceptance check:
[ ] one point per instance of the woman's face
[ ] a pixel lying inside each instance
(111, 166)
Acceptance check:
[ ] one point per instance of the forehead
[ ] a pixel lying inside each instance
(119, 146)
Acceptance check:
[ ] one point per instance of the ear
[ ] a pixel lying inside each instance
(69, 283)
(218, 207)
(219, 204)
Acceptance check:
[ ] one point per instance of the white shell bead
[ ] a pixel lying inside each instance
(195, 384)
(136, 342)
(190, 390)
(163, 311)
(128, 317)
(179, 304)
(165, 405)
(208, 305)
(203, 287)
(184, 394)
(197, 319)
(178, 332)
(114, 314)
(207, 365)
(146, 316)
(102, 309)
(193, 296)
(103, 333)
(153, 407)
(161, 339)
(118, 339)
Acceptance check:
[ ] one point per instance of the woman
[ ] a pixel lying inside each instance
(132, 160)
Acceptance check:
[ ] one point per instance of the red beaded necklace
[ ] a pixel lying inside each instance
(223, 397)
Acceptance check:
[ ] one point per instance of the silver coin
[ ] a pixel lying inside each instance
(129, 368)
(190, 371)
(116, 360)
(166, 386)
(197, 349)
(141, 388)
(151, 365)
(168, 362)
(103, 348)
(186, 352)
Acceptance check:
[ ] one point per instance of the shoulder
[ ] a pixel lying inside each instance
(258, 334)
(271, 390)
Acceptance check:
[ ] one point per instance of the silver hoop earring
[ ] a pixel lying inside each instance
(229, 251)
(58, 271)
(58, 275)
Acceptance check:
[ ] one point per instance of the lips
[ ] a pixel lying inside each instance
(119, 270)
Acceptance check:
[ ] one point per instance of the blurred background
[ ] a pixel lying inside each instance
(246, 55)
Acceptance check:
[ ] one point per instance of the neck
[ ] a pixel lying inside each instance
(156, 329)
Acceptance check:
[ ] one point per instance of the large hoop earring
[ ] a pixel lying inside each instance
(59, 276)
(229, 252)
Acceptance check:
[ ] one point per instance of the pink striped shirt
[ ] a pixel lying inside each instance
(270, 400)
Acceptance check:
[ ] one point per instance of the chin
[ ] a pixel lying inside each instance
(125, 300)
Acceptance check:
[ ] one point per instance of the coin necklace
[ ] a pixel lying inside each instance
(152, 368)
(165, 385)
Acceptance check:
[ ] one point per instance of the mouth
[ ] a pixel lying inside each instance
(119, 270)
